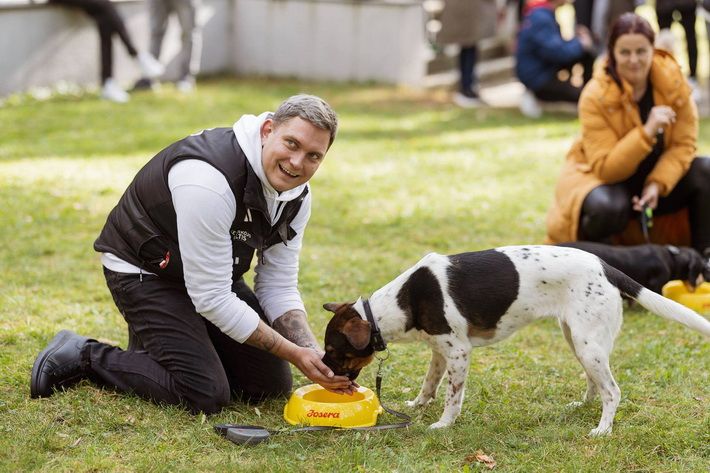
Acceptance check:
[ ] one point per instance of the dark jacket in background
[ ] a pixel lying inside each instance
(541, 50)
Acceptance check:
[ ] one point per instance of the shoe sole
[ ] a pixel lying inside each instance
(52, 347)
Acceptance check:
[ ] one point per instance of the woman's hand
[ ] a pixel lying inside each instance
(649, 197)
(309, 362)
(660, 117)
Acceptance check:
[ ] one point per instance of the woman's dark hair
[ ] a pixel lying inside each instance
(628, 23)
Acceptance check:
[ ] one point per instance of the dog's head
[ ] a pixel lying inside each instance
(348, 347)
(690, 266)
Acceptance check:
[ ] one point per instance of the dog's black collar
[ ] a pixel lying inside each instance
(378, 343)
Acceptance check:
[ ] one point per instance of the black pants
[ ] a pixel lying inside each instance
(607, 209)
(687, 20)
(108, 21)
(467, 67)
(556, 90)
(175, 356)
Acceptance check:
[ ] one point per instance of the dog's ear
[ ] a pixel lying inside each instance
(357, 331)
(332, 306)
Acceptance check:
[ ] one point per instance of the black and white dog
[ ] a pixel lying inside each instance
(458, 302)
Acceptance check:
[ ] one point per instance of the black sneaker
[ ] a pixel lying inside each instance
(468, 99)
(60, 365)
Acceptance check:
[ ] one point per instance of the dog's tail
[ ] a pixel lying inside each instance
(656, 303)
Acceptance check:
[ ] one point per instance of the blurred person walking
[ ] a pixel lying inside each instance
(109, 22)
(465, 23)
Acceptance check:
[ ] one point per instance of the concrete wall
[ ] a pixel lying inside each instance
(382, 40)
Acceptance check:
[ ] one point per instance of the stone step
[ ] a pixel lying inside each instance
(489, 71)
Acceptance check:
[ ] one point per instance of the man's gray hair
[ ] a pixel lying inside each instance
(310, 108)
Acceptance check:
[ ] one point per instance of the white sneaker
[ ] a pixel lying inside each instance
(150, 66)
(466, 101)
(529, 105)
(186, 85)
(113, 92)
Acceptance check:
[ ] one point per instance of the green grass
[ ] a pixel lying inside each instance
(408, 174)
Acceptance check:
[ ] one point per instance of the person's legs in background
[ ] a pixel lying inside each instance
(687, 20)
(191, 51)
(158, 14)
(109, 21)
(556, 90)
(583, 12)
(467, 95)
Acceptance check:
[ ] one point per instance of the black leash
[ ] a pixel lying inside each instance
(646, 221)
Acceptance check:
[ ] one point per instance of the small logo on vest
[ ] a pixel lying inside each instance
(240, 235)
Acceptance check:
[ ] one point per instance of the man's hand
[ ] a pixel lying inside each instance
(309, 362)
(306, 357)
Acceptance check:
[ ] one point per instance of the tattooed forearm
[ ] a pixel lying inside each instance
(294, 326)
(265, 338)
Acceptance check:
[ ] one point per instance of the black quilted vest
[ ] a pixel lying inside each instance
(142, 228)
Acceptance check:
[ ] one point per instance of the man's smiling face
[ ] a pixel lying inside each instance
(292, 151)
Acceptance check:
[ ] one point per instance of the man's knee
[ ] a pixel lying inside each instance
(208, 399)
(278, 387)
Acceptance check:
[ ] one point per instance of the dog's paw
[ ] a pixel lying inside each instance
(418, 402)
(439, 425)
(600, 432)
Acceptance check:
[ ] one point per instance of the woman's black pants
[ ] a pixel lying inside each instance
(607, 209)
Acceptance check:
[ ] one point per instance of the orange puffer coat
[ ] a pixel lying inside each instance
(613, 142)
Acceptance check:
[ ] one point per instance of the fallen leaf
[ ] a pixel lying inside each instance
(76, 442)
(258, 412)
(131, 420)
(203, 419)
(481, 457)
(698, 398)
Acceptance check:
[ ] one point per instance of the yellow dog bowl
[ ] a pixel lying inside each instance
(699, 300)
(313, 405)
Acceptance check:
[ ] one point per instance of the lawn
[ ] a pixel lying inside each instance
(408, 174)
